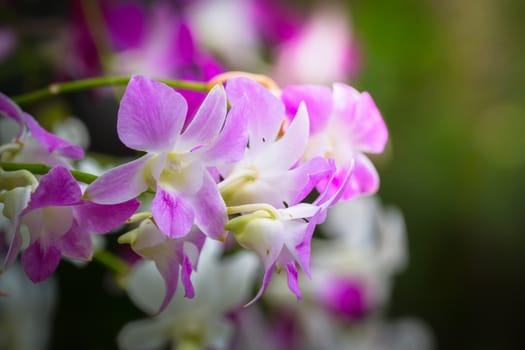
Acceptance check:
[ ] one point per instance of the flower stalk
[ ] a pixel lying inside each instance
(86, 84)
(42, 169)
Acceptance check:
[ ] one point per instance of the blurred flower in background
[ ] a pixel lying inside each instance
(276, 38)
(26, 311)
(7, 42)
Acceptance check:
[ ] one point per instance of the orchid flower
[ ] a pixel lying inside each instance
(151, 118)
(344, 124)
(169, 254)
(297, 60)
(221, 284)
(268, 172)
(33, 144)
(60, 222)
(148, 40)
(282, 237)
(366, 247)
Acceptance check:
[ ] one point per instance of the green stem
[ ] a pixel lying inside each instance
(85, 84)
(42, 169)
(111, 261)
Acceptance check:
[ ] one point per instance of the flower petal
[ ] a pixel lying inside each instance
(150, 116)
(76, 243)
(14, 248)
(172, 213)
(363, 180)
(40, 262)
(265, 111)
(359, 110)
(144, 334)
(231, 142)
(57, 188)
(299, 182)
(210, 209)
(120, 184)
(186, 269)
(293, 283)
(102, 218)
(207, 122)
(169, 271)
(318, 100)
(288, 150)
(266, 280)
(11, 110)
(52, 142)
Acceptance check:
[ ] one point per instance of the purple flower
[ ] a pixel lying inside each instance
(269, 171)
(60, 222)
(151, 119)
(151, 40)
(282, 237)
(33, 144)
(172, 256)
(297, 60)
(344, 124)
(343, 296)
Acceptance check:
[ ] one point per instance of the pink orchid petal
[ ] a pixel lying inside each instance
(169, 270)
(120, 184)
(289, 149)
(360, 112)
(363, 180)
(318, 100)
(231, 142)
(372, 134)
(150, 116)
(11, 110)
(170, 273)
(172, 213)
(52, 142)
(57, 188)
(210, 209)
(76, 243)
(207, 122)
(335, 189)
(308, 175)
(265, 110)
(266, 280)
(103, 218)
(186, 270)
(40, 262)
(302, 250)
(293, 283)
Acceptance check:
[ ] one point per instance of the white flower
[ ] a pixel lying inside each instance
(26, 312)
(221, 285)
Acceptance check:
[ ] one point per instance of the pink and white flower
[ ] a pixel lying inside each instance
(344, 125)
(151, 119)
(282, 237)
(269, 171)
(172, 256)
(32, 143)
(60, 223)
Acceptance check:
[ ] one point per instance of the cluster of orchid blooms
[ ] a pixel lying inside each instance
(242, 165)
(228, 181)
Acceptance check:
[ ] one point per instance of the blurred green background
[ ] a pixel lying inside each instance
(449, 78)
